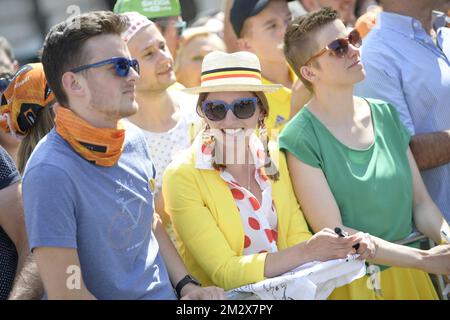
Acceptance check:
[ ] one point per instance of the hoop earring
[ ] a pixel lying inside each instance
(263, 136)
(209, 147)
(270, 167)
(208, 141)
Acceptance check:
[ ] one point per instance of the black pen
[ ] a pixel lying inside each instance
(446, 236)
(342, 233)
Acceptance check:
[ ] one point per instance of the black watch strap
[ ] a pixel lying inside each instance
(187, 279)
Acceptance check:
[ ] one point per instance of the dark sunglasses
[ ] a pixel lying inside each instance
(122, 65)
(243, 108)
(339, 47)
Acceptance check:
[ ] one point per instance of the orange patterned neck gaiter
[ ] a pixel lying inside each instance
(101, 146)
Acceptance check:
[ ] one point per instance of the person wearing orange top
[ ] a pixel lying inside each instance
(27, 116)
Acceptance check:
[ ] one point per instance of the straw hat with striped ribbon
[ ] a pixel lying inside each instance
(238, 71)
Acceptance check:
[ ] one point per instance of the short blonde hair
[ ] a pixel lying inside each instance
(300, 42)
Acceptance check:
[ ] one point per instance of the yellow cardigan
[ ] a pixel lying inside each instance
(210, 236)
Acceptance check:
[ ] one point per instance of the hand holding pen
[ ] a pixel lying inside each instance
(342, 233)
(325, 245)
(366, 246)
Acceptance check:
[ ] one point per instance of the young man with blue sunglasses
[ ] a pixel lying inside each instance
(122, 66)
(90, 225)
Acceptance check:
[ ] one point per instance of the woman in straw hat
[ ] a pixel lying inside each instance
(233, 209)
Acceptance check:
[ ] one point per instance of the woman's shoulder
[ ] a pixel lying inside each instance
(279, 159)
(377, 105)
(382, 109)
(301, 119)
(183, 162)
(300, 127)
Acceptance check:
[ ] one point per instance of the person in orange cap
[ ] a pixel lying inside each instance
(25, 101)
(27, 115)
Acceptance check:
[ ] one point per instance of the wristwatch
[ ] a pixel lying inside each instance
(187, 279)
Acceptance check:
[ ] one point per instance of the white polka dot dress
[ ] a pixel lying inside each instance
(259, 220)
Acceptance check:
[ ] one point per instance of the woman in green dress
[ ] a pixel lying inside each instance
(351, 166)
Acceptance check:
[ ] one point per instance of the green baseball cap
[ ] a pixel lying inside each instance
(149, 8)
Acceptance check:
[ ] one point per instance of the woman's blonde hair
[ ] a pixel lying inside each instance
(44, 123)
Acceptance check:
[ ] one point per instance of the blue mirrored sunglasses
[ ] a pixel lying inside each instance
(122, 65)
(243, 108)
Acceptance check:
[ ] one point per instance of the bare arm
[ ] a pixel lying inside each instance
(61, 273)
(321, 210)
(12, 220)
(176, 268)
(172, 259)
(431, 149)
(427, 216)
(159, 208)
(27, 283)
(324, 245)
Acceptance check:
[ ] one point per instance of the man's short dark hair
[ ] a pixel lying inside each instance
(64, 45)
(300, 39)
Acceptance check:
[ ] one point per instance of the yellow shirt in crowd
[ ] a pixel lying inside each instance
(279, 106)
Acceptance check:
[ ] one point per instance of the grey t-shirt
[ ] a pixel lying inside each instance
(106, 213)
